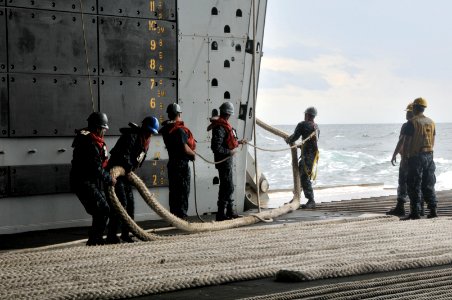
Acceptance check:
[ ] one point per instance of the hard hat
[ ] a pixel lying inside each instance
(150, 124)
(409, 107)
(420, 101)
(311, 111)
(97, 119)
(173, 108)
(227, 108)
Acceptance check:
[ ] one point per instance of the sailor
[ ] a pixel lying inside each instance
(129, 152)
(418, 149)
(224, 141)
(402, 194)
(180, 144)
(88, 174)
(309, 153)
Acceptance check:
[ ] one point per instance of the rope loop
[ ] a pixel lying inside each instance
(152, 201)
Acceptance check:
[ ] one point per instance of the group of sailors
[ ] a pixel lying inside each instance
(417, 167)
(91, 167)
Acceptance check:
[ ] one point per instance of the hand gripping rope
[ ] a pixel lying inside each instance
(153, 202)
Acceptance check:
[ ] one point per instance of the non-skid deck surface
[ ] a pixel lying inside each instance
(383, 204)
(312, 250)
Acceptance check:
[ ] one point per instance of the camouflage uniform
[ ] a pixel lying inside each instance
(87, 179)
(179, 175)
(308, 154)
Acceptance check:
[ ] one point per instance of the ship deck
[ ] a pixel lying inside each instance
(353, 208)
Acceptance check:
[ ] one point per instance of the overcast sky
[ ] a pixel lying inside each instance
(356, 61)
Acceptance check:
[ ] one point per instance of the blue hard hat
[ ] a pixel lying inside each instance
(151, 124)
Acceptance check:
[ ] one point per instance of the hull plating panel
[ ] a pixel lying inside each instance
(3, 48)
(4, 106)
(215, 18)
(50, 42)
(4, 181)
(151, 9)
(193, 85)
(42, 179)
(137, 47)
(89, 6)
(154, 173)
(52, 105)
(43, 43)
(226, 65)
(128, 99)
(50, 179)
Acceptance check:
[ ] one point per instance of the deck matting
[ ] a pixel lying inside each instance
(321, 249)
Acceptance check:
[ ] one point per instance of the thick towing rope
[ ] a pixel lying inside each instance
(153, 202)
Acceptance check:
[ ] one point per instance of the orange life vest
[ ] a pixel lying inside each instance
(231, 138)
(191, 142)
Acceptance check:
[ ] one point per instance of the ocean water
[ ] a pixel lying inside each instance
(352, 155)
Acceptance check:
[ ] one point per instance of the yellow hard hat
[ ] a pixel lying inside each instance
(420, 101)
(409, 107)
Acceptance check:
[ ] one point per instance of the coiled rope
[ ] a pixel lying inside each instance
(153, 202)
(315, 250)
(421, 285)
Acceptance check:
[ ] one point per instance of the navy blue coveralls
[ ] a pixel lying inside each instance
(87, 180)
(221, 150)
(308, 154)
(179, 175)
(402, 192)
(129, 152)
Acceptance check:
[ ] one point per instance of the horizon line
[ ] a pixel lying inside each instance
(355, 123)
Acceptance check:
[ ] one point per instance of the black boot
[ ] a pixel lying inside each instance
(399, 210)
(125, 237)
(433, 213)
(411, 216)
(422, 212)
(220, 216)
(414, 214)
(230, 213)
(95, 241)
(310, 204)
(113, 239)
(97, 230)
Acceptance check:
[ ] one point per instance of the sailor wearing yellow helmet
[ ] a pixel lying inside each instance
(402, 194)
(418, 149)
